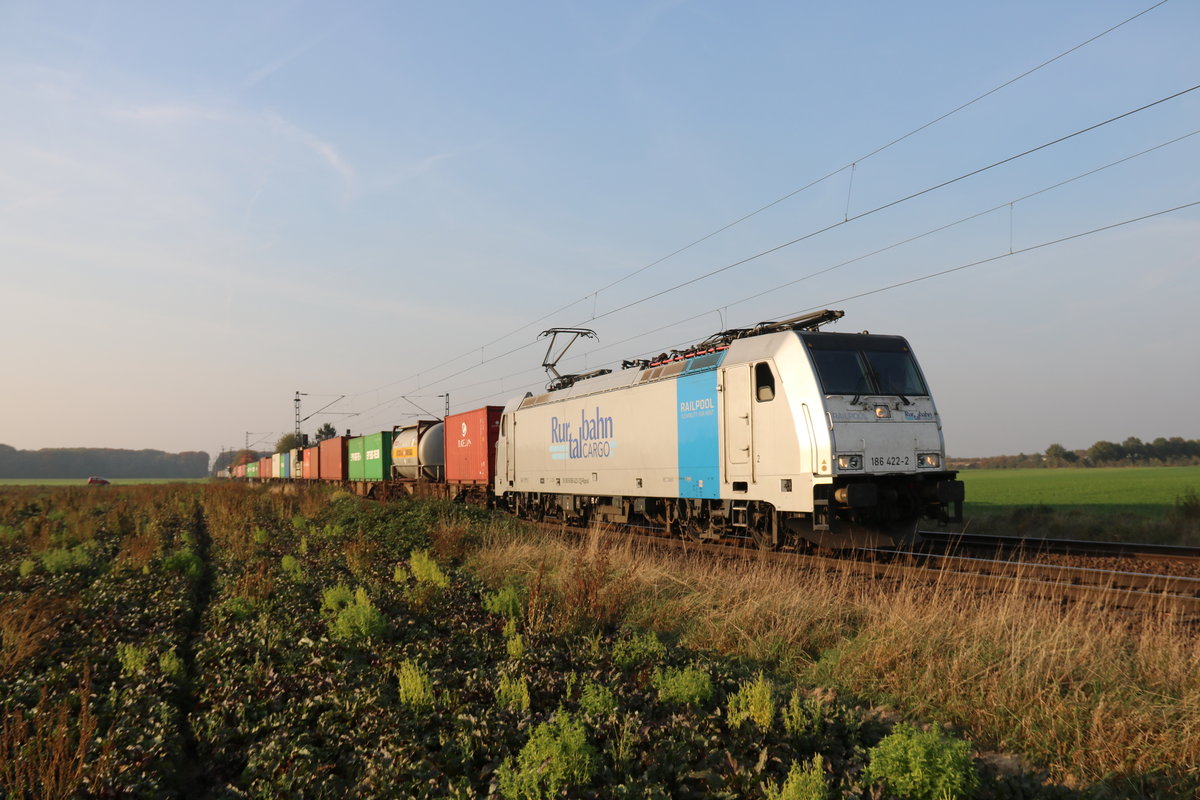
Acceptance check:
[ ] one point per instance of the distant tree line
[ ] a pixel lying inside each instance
(1163, 452)
(83, 462)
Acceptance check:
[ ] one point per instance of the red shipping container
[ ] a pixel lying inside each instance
(310, 462)
(264, 467)
(333, 461)
(471, 445)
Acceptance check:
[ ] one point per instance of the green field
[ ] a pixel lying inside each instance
(1147, 491)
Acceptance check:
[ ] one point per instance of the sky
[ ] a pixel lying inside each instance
(208, 207)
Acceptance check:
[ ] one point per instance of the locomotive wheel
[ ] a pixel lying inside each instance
(760, 531)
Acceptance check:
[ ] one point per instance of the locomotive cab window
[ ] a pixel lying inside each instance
(764, 382)
(860, 364)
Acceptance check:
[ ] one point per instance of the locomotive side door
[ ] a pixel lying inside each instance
(739, 424)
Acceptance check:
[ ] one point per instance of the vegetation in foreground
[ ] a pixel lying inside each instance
(221, 641)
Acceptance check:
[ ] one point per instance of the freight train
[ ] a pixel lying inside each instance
(780, 434)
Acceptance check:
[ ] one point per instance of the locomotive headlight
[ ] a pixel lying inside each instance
(851, 461)
(929, 460)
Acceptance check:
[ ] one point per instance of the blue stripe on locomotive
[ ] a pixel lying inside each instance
(699, 437)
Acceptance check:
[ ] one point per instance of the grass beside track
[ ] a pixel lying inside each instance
(1109, 708)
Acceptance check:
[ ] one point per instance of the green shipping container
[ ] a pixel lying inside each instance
(252, 470)
(377, 456)
(354, 454)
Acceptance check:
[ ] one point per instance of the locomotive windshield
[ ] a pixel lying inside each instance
(861, 364)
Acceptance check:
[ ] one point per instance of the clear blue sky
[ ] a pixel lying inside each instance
(205, 207)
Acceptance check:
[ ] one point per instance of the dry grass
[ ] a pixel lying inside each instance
(1086, 692)
(26, 625)
(46, 754)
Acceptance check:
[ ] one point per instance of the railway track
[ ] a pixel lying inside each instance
(1109, 588)
(1036, 545)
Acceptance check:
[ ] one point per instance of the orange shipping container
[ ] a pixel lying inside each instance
(312, 457)
(471, 445)
(333, 458)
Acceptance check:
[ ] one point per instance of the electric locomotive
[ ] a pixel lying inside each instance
(781, 433)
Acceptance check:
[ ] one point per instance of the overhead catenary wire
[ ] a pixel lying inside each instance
(811, 184)
(928, 276)
(855, 218)
(958, 268)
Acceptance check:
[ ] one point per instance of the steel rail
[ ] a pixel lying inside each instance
(1035, 544)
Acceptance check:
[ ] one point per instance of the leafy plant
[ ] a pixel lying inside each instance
(62, 559)
(753, 701)
(597, 700)
(291, 568)
(506, 601)
(27, 567)
(133, 658)
(335, 598)
(802, 783)
(185, 562)
(638, 650)
(557, 757)
(513, 693)
(414, 686)
(687, 686)
(357, 620)
(922, 765)
(426, 570)
(171, 665)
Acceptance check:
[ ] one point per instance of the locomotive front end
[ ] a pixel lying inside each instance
(886, 458)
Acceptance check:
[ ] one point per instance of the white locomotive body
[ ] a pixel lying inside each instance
(777, 433)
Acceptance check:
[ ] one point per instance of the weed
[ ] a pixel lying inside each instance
(335, 598)
(753, 701)
(803, 716)
(357, 620)
(171, 665)
(27, 567)
(688, 686)
(514, 644)
(506, 601)
(133, 658)
(26, 625)
(513, 693)
(361, 557)
(291, 568)
(48, 757)
(597, 700)
(414, 686)
(261, 537)
(802, 783)
(590, 597)
(304, 545)
(556, 758)
(638, 650)
(426, 570)
(8, 534)
(62, 559)
(185, 562)
(239, 608)
(922, 765)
